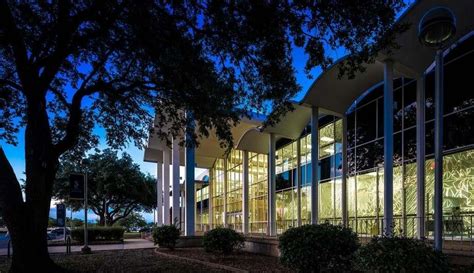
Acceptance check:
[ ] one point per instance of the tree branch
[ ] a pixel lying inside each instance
(17, 44)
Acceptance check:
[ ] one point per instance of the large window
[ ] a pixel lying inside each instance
(217, 186)
(258, 192)
(365, 148)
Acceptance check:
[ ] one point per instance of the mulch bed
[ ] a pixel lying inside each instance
(242, 260)
(120, 261)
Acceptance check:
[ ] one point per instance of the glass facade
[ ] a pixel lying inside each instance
(365, 180)
(258, 192)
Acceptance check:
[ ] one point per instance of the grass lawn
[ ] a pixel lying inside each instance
(120, 261)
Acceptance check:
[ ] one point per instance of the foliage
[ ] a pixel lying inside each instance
(98, 234)
(400, 254)
(222, 240)
(318, 248)
(75, 222)
(116, 186)
(166, 236)
(133, 220)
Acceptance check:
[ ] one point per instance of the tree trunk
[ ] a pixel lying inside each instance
(27, 220)
(27, 224)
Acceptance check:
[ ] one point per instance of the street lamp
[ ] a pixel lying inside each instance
(85, 249)
(436, 29)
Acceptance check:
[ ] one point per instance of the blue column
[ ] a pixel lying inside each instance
(175, 185)
(314, 164)
(388, 147)
(438, 153)
(190, 164)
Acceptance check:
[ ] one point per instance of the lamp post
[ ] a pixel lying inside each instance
(435, 30)
(85, 249)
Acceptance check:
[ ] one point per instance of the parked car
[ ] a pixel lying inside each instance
(58, 233)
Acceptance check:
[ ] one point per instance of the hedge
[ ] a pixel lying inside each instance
(99, 234)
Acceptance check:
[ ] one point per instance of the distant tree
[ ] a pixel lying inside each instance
(116, 186)
(133, 220)
(69, 66)
(75, 222)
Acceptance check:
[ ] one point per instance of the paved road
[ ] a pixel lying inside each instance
(127, 244)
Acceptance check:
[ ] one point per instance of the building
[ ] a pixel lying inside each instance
(342, 129)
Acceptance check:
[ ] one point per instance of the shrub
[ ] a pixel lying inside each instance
(222, 240)
(98, 234)
(166, 236)
(315, 248)
(400, 254)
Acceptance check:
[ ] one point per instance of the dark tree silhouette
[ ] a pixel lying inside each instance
(116, 186)
(68, 66)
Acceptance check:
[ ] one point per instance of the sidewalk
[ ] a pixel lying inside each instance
(127, 244)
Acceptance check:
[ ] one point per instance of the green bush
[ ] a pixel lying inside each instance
(98, 234)
(222, 240)
(316, 248)
(166, 236)
(400, 254)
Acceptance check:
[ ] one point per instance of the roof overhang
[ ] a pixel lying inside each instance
(412, 59)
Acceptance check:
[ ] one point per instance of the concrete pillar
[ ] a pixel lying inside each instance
(420, 157)
(298, 182)
(272, 187)
(190, 211)
(314, 164)
(245, 193)
(159, 194)
(345, 169)
(166, 186)
(175, 185)
(438, 152)
(388, 147)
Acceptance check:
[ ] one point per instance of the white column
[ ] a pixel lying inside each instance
(159, 194)
(314, 164)
(245, 193)
(190, 165)
(420, 157)
(438, 152)
(175, 186)
(271, 187)
(166, 186)
(388, 147)
(345, 169)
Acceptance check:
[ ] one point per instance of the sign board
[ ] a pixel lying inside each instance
(61, 215)
(76, 186)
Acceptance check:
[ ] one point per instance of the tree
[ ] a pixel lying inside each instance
(116, 186)
(133, 220)
(68, 67)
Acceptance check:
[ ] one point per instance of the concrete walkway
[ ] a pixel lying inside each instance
(127, 244)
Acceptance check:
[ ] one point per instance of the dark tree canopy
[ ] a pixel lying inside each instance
(116, 186)
(67, 67)
(218, 59)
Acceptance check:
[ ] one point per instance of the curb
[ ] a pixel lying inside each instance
(208, 264)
